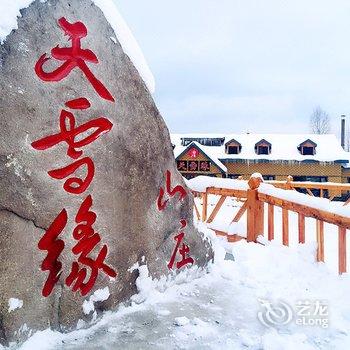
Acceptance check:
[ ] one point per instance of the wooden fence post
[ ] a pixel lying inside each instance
(255, 210)
(342, 250)
(204, 206)
(320, 240)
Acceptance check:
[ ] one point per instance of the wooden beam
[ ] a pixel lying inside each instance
(271, 222)
(285, 227)
(216, 209)
(323, 215)
(227, 192)
(240, 212)
(347, 202)
(320, 240)
(301, 228)
(309, 192)
(204, 206)
(196, 210)
(255, 216)
(342, 250)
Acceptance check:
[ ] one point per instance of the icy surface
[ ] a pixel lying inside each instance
(9, 11)
(218, 309)
(14, 304)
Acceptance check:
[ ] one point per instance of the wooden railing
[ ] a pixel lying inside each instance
(333, 189)
(255, 200)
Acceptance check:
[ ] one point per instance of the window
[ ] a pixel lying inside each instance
(203, 141)
(232, 150)
(263, 150)
(263, 147)
(233, 147)
(308, 151)
(269, 177)
(307, 148)
(233, 176)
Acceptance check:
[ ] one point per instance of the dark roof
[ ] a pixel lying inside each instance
(233, 140)
(308, 141)
(262, 141)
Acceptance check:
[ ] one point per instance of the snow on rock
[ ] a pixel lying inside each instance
(14, 304)
(9, 11)
(99, 295)
(127, 40)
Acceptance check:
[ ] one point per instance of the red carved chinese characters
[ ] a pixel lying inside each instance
(183, 249)
(87, 241)
(73, 57)
(161, 203)
(54, 247)
(85, 270)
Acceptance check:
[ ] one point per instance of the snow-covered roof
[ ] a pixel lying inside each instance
(283, 147)
(9, 11)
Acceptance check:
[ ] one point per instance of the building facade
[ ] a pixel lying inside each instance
(318, 158)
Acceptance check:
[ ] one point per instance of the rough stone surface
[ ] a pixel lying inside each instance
(130, 165)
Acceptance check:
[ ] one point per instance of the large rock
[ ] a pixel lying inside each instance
(131, 161)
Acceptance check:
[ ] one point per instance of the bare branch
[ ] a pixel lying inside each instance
(320, 121)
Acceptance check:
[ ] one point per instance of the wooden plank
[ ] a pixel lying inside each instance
(240, 212)
(309, 192)
(285, 227)
(342, 250)
(227, 192)
(271, 222)
(301, 228)
(331, 197)
(204, 206)
(321, 193)
(196, 210)
(216, 209)
(320, 240)
(347, 202)
(323, 215)
(312, 185)
(251, 213)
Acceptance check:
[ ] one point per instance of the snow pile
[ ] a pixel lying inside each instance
(219, 309)
(200, 183)
(14, 304)
(99, 295)
(9, 11)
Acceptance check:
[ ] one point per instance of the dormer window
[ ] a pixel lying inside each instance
(232, 150)
(263, 147)
(233, 147)
(307, 148)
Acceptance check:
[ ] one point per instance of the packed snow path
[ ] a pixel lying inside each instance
(219, 309)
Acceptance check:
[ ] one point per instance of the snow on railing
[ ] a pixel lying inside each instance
(256, 194)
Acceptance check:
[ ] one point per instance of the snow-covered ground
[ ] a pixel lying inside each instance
(231, 207)
(251, 302)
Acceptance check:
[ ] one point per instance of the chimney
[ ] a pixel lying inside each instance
(343, 131)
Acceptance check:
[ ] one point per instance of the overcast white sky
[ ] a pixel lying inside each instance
(245, 65)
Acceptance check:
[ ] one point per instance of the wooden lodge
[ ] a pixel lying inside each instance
(316, 158)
